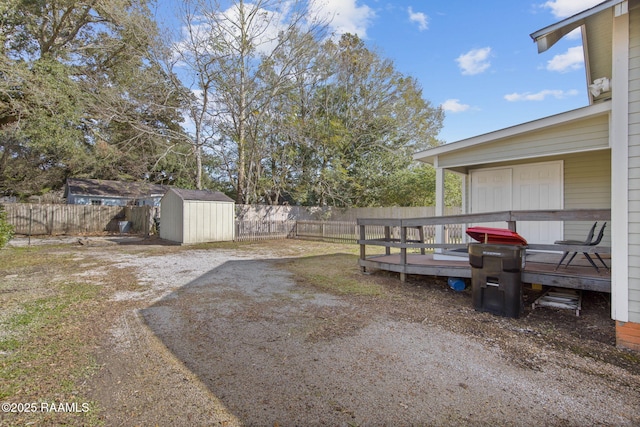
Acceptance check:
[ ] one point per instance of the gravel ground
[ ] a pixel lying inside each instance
(263, 346)
(226, 337)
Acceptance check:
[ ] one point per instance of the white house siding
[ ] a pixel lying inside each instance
(634, 166)
(587, 134)
(587, 185)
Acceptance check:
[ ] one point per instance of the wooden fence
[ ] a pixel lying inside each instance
(333, 231)
(39, 219)
(254, 230)
(348, 231)
(57, 219)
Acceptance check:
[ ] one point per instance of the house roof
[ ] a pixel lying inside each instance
(597, 37)
(431, 155)
(108, 188)
(201, 195)
(597, 43)
(548, 36)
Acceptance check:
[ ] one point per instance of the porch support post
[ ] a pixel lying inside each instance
(439, 202)
(619, 141)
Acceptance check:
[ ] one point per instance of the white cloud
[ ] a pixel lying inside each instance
(475, 61)
(454, 106)
(345, 16)
(222, 25)
(573, 59)
(540, 96)
(419, 18)
(565, 8)
(575, 34)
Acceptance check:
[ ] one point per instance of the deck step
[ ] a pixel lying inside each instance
(560, 298)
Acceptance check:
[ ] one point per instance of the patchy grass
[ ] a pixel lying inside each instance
(57, 311)
(45, 352)
(46, 338)
(332, 267)
(335, 273)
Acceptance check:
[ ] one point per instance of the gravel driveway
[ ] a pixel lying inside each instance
(258, 348)
(233, 337)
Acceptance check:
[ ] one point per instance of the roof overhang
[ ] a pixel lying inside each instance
(548, 36)
(431, 155)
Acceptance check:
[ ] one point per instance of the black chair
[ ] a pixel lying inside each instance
(587, 242)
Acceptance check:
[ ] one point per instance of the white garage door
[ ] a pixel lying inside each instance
(521, 187)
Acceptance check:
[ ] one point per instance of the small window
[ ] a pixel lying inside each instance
(96, 202)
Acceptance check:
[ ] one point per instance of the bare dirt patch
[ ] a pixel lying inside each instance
(291, 333)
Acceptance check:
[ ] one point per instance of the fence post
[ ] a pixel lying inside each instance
(30, 222)
(387, 238)
(363, 252)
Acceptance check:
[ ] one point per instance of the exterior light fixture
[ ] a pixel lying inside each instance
(600, 85)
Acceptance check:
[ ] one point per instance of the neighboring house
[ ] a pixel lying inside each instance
(584, 158)
(113, 193)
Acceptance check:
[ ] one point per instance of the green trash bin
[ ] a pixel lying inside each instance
(496, 278)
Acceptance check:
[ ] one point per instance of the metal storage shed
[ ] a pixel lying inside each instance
(196, 216)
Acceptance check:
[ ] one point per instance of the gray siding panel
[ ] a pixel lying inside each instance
(634, 166)
(587, 185)
(588, 134)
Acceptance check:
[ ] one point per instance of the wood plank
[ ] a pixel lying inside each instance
(528, 215)
(412, 244)
(571, 282)
(457, 219)
(379, 221)
(576, 277)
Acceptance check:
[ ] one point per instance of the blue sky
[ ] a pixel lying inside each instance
(476, 59)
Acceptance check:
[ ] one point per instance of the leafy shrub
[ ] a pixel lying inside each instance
(6, 229)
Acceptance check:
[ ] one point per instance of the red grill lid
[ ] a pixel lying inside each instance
(497, 236)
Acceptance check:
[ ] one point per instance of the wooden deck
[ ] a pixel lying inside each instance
(539, 268)
(408, 237)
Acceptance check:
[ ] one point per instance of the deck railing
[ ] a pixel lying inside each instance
(409, 234)
(348, 232)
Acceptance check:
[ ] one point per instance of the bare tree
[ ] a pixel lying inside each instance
(225, 50)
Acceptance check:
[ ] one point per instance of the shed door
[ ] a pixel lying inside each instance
(521, 187)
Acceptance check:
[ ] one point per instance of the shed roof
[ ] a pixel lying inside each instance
(202, 195)
(108, 188)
